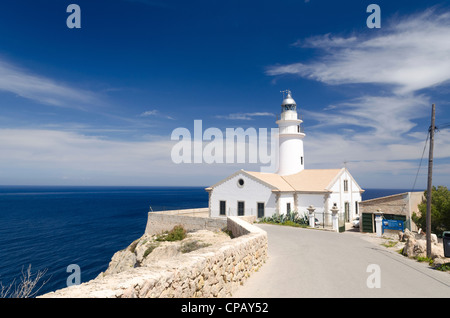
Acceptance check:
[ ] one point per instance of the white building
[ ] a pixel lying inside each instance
(292, 188)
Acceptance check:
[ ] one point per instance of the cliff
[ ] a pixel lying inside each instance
(204, 264)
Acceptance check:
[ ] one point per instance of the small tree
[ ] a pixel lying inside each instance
(440, 211)
(27, 286)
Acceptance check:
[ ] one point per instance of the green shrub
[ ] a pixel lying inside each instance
(176, 234)
(444, 267)
(291, 219)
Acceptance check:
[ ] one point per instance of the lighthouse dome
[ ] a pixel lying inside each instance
(288, 102)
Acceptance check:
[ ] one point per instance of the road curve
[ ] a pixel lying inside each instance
(316, 263)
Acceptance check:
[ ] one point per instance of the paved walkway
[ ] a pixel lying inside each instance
(316, 263)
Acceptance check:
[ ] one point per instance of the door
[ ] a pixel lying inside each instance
(241, 208)
(366, 222)
(260, 210)
(347, 211)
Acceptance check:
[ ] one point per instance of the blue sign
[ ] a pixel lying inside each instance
(393, 225)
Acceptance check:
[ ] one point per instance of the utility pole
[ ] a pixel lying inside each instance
(430, 175)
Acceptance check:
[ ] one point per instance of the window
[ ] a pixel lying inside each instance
(288, 208)
(260, 209)
(241, 208)
(356, 207)
(223, 207)
(345, 185)
(240, 183)
(301, 159)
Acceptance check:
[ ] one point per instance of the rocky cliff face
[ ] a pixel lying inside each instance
(147, 250)
(204, 264)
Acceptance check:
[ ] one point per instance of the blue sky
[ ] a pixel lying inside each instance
(97, 105)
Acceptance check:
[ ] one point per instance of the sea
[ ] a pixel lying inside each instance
(52, 227)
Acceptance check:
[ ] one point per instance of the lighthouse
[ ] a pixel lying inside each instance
(291, 158)
(292, 187)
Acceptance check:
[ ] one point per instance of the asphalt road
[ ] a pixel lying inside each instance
(316, 263)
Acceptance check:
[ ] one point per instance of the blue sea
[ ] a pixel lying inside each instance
(51, 227)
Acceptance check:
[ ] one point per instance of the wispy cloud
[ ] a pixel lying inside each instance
(154, 112)
(245, 116)
(387, 117)
(48, 156)
(410, 54)
(42, 89)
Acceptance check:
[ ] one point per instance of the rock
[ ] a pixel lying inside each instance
(164, 251)
(437, 251)
(408, 250)
(408, 234)
(121, 261)
(438, 262)
(145, 251)
(420, 249)
(434, 239)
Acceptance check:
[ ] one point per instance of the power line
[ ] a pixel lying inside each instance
(420, 164)
(436, 127)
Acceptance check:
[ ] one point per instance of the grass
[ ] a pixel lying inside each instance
(228, 232)
(192, 246)
(424, 259)
(389, 243)
(444, 267)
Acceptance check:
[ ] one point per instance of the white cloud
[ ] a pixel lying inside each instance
(149, 113)
(411, 53)
(245, 116)
(154, 112)
(388, 117)
(43, 156)
(43, 89)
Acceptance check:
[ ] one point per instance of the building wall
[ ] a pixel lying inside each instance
(304, 200)
(251, 193)
(284, 199)
(254, 191)
(340, 196)
(398, 204)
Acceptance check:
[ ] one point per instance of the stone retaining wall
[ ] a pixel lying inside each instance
(191, 219)
(214, 271)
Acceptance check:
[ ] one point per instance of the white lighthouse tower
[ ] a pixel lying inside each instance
(291, 158)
